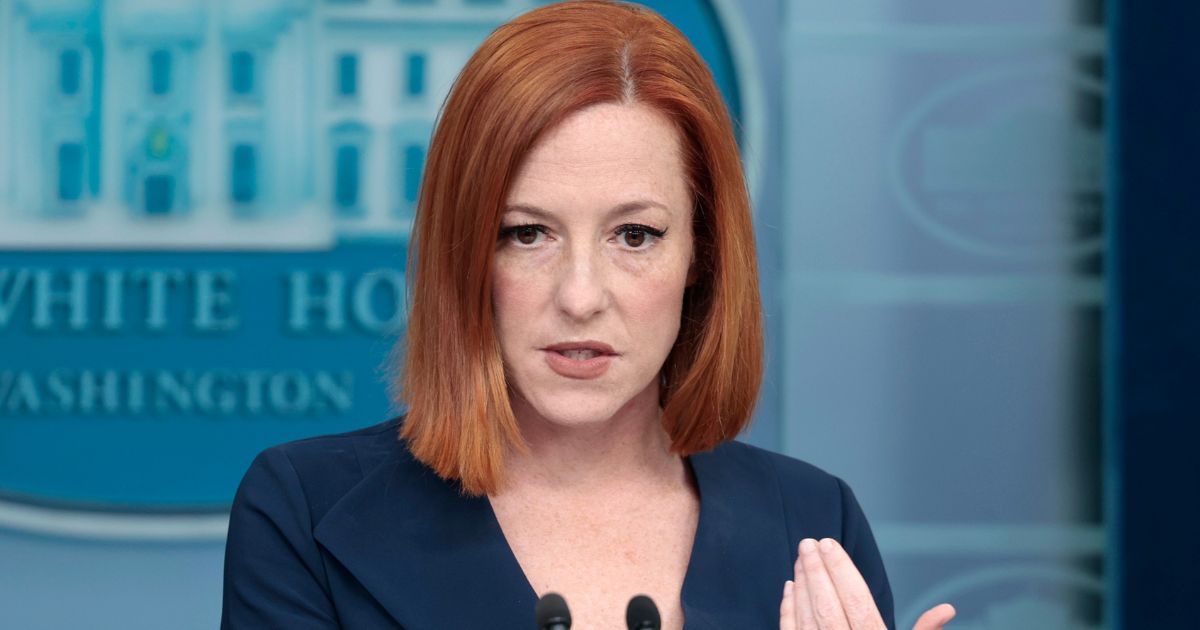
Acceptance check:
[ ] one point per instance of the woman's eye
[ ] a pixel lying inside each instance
(527, 234)
(524, 234)
(638, 236)
(635, 237)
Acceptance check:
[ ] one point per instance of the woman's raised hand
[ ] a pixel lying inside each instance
(828, 593)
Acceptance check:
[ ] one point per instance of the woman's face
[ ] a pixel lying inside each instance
(591, 265)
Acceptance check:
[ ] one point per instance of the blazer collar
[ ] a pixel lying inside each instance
(431, 557)
(435, 558)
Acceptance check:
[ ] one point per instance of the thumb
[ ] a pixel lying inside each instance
(935, 617)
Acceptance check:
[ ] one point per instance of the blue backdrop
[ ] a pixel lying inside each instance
(204, 209)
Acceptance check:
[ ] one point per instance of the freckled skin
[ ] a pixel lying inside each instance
(573, 511)
(580, 280)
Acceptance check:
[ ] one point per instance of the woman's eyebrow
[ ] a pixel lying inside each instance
(630, 207)
(622, 209)
(528, 209)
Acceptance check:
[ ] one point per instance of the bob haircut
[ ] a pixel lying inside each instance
(526, 77)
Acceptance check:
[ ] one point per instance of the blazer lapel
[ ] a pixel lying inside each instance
(431, 557)
(740, 557)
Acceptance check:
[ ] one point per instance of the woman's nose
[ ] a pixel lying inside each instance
(581, 292)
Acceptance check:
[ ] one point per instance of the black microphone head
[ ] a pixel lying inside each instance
(552, 612)
(642, 614)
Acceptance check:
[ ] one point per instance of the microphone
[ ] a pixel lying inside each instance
(552, 613)
(642, 614)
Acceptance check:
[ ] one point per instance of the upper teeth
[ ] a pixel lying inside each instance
(578, 355)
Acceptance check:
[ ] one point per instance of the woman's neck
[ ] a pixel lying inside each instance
(629, 450)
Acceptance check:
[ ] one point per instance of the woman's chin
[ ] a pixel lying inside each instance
(584, 414)
(579, 406)
(573, 410)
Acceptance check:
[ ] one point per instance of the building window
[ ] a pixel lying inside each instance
(346, 180)
(244, 173)
(69, 66)
(416, 74)
(70, 171)
(414, 163)
(347, 75)
(241, 73)
(159, 191)
(160, 72)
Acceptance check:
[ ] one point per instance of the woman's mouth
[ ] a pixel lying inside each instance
(579, 360)
(578, 355)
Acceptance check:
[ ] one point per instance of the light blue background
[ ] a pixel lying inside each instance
(927, 215)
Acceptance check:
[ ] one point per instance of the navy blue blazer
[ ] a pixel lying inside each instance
(350, 531)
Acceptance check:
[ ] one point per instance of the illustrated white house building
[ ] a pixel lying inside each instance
(228, 124)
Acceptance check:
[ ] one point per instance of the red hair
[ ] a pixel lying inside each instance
(526, 77)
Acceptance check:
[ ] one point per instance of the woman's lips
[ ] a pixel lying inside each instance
(578, 363)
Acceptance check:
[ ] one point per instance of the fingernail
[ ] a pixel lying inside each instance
(808, 545)
(827, 545)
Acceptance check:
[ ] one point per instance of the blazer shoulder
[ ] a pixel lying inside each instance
(367, 445)
(812, 499)
(798, 480)
(326, 467)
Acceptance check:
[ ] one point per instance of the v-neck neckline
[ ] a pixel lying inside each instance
(416, 543)
(688, 577)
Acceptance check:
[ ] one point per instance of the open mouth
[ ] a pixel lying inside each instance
(580, 359)
(579, 355)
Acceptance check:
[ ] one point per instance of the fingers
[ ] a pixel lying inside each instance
(935, 617)
(787, 607)
(828, 593)
(852, 591)
(826, 605)
(801, 599)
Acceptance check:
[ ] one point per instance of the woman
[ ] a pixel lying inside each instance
(584, 343)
